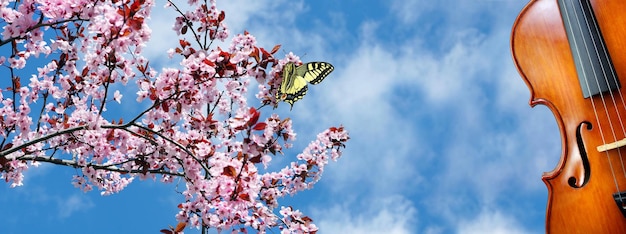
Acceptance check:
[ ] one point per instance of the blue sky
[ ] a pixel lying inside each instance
(443, 139)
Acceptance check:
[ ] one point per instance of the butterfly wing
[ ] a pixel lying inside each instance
(315, 72)
(294, 84)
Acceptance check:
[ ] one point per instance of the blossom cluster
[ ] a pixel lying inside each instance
(197, 125)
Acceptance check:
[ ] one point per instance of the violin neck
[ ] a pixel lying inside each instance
(593, 63)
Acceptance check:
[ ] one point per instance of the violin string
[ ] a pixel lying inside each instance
(613, 76)
(602, 98)
(586, 79)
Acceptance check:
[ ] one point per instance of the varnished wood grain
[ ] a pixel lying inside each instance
(542, 55)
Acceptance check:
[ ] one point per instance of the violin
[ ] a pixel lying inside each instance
(572, 56)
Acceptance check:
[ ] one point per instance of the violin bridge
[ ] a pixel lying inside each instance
(610, 146)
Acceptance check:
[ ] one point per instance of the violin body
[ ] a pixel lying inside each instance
(581, 187)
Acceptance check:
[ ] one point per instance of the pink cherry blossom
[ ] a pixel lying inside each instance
(197, 123)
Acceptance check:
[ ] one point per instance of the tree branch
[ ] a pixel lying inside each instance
(75, 164)
(41, 139)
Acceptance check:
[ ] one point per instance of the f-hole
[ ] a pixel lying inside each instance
(583, 155)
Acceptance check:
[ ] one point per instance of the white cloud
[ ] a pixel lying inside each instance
(72, 204)
(408, 11)
(389, 145)
(357, 96)
(389, 215)
(493, 222)
(241, 13)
